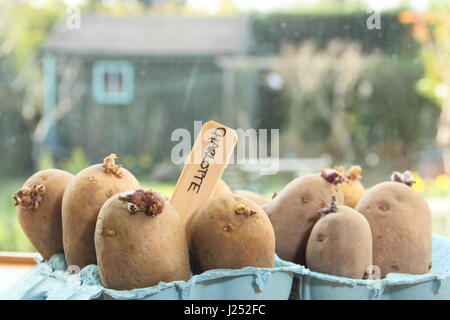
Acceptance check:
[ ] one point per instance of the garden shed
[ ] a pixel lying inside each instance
(121, 83)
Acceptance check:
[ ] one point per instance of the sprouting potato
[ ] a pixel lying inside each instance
(293, 212)
(400, 220)
(82, 200)
(221, 188)
(140, 241)
(352, 187)
(38, 207)
(231, 232)
(340, 243)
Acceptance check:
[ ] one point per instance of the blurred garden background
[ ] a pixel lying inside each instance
(80, 79)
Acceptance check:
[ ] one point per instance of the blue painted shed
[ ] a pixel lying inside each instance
(124, 83)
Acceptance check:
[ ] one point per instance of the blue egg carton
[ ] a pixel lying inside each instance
(222, 284)
(395, 286)
(50, 280)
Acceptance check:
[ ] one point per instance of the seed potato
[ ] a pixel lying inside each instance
(231, 232)
(293, 212)
(38, 207)
(82, 200)
(140, 241)
(352, 187)
(340, 243)
(400, 220)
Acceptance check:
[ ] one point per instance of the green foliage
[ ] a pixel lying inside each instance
(272, 30)
(28, 27)
(393, 120)
(140, 165)
(15, 142)
(327, 7)
(395, 114)
(432, 32)
(23, 28)
(45, 160)
(76, 162)
(390, 114)
(12, 237)
(384, 115)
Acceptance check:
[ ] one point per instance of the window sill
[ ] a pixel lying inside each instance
(13, 266)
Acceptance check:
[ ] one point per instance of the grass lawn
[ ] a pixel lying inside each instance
(12, 237)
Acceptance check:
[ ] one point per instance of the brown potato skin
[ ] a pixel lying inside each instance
(400, 220)
(294, 212)
(221, 188)
(43, 226)
(340, 244)
(251, 243)
(256, 198)
(82, 200)
(140, 251)
(353, 192)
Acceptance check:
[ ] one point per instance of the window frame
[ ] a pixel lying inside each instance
(100, 93)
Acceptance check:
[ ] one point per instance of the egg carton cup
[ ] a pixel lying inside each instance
(50, 280)
(311, 285)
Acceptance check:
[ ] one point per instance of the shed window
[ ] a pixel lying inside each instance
(112, 82)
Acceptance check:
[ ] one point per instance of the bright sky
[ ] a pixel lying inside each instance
(268, 5)
(261, 5)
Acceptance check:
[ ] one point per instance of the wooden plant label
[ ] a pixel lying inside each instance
(203, 168)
